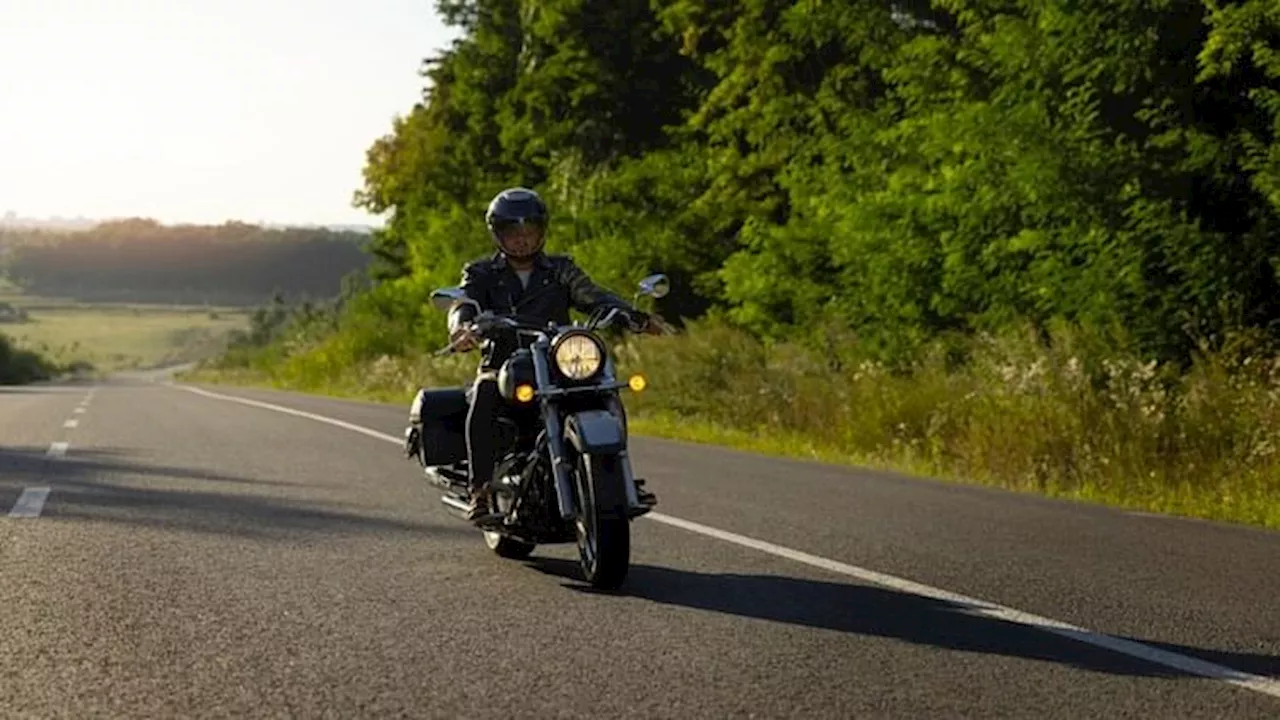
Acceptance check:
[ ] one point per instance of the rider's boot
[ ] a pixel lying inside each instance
(481, 507)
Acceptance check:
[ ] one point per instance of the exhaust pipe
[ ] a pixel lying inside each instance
(456, 504)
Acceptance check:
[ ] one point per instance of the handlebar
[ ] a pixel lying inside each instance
(609, 318)
(485, 322)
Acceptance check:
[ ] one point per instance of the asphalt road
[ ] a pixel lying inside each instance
(199, 557)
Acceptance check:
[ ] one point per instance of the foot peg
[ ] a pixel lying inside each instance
(645, 500)
(645, 497)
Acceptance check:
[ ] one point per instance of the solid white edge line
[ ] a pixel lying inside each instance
(1258, 683)
(291, 411)
(58, 449)
(30, 503)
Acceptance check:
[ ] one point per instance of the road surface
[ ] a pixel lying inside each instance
(168, 552)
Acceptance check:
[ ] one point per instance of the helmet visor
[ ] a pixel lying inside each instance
(520, 239)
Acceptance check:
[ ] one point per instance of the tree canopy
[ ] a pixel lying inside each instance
(901, 169)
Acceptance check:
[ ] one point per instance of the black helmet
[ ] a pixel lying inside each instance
(509, 212)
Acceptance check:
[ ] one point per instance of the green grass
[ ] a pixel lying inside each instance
(113, 337)
(1073, 422)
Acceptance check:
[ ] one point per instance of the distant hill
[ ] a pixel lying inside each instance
(12, 221)
(140, 260)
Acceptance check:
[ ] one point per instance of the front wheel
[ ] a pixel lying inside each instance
(604, 543)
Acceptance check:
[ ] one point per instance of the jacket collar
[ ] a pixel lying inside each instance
(517, 291)
(540, 260)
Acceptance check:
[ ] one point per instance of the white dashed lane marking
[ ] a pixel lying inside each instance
(30, 503)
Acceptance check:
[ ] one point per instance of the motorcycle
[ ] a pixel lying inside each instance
(563, 473)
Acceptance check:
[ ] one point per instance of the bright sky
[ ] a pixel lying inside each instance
(199, 111)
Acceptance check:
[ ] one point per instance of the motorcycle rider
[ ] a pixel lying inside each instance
(519, 278)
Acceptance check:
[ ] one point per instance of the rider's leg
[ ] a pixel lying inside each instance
(480, 443)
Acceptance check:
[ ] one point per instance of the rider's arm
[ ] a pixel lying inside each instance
(587, 296)
(472, 285)
(584, 293)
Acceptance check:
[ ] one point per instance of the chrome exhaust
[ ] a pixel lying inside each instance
(455, 503)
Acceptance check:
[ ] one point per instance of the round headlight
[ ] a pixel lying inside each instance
(579, 357)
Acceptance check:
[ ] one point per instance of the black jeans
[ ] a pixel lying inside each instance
(480, 421)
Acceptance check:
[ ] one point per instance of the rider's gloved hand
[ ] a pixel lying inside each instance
(656, 325)
(463, 339)
(639, 321)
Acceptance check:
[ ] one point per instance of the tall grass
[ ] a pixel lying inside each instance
(19, 366)
(1070, 419)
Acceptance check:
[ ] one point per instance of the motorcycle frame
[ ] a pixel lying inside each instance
(590, 431)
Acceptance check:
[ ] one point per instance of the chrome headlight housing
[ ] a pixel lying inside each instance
(578, 356)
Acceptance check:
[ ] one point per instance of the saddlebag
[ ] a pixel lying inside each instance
(442, 416)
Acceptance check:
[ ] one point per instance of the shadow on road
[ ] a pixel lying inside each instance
(882, 612)
(112, 486)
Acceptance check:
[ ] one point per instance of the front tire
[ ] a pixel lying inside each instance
(604, 544)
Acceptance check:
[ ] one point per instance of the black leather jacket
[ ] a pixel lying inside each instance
(555, 285)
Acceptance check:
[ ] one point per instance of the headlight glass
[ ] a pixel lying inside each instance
(578, 357)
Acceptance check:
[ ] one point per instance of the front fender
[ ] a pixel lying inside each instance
(600, 440)
(595, 432)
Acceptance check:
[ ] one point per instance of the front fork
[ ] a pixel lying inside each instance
(555, 433)
(559, 465)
